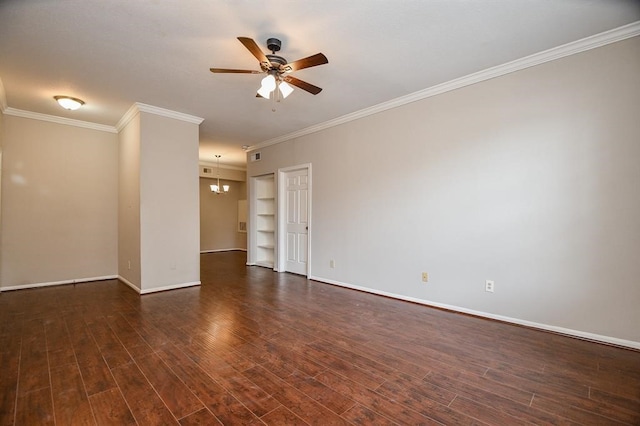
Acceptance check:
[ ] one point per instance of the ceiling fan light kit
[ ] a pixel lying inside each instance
(268, 85)
(285, 89)
(278, 83)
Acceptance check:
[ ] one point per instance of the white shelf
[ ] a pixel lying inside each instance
(264, 220)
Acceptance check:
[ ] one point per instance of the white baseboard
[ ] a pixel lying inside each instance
(221, 250)
(102, 278)
(63, 282)
(129, 283)
(170, 287)
(560, 330)
(157, 289)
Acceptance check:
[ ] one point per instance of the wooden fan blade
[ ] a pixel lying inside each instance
(314, 90)
(225, 70)
(254, 49)
(310, 61)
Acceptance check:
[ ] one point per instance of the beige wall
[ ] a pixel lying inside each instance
(59, 209)
(82, 204)
(159, 208)
(529, 179)
(129, 203)
(1, 139)
(219, 217)
(226, 172)
(169, 203)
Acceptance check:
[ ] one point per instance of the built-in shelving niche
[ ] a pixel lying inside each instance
(264, 220)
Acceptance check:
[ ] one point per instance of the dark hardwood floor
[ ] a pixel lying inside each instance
(252, 347)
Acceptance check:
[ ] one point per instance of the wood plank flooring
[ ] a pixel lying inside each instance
(253, 347)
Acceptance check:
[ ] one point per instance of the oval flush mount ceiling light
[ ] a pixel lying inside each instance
(67, 102)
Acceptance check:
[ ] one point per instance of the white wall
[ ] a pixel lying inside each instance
(529, 179)
(219, 217)
(59, 191)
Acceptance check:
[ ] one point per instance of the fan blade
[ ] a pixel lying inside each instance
(314, 90)
(308, 62)
(224, 70)
(254, 49)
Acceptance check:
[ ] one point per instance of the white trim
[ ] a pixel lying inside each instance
(59, 120)
(170, 287)
(3, 98)
(560, 330)
(222, 250)
(63, 282)
(169, 114)
(129, 283)
(127, 117)
(138, 107)
(588, 43)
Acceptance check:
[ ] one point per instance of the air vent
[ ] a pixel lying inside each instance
(255, 156)
(242, 226)
(206, 171)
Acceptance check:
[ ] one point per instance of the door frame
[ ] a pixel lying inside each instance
(281, 263)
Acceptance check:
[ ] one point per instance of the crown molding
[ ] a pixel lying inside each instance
(588, 43)
(59, 120)
(135, 109)
(3, 98)
(138, 107)
(169, 114)
(127, 117)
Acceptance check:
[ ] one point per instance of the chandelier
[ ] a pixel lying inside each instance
(217, 189)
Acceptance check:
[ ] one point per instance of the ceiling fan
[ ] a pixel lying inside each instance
(277, 69)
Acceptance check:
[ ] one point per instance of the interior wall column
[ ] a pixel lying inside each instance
(158, 215)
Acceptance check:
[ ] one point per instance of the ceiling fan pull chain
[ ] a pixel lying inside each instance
(277, 91)
(273, 99)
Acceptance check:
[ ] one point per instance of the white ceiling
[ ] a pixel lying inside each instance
(158, 52)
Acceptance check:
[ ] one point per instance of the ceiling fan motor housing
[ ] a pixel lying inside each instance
(273, 44)
(275, 59)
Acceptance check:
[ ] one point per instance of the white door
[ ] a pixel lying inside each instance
(296, 221)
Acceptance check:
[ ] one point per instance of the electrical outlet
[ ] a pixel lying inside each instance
(489, 286)
(425, 277)
(129, 264)
(332, 264)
